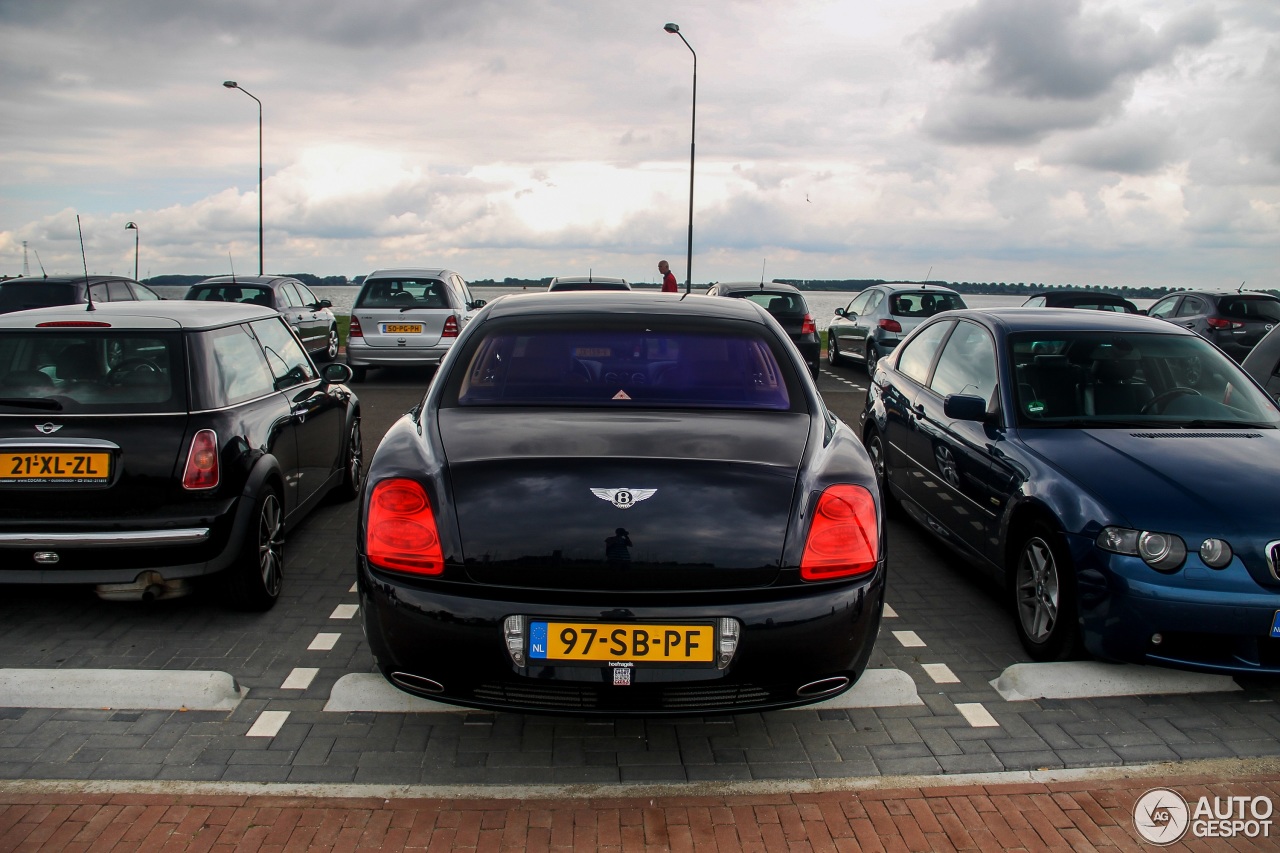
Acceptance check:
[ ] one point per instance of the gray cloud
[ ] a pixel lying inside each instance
(1034, 68)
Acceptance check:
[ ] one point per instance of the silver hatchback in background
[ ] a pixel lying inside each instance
(878, 318)
(407, 317)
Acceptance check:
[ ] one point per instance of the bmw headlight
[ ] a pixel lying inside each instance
(1164, 552)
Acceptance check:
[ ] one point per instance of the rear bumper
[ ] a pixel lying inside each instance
(450, 638)
(360, 354)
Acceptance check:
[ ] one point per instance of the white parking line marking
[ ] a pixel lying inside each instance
(323, 642)
(890, 613)
(300, 678)
(909, 639)
(978, 716)
(268, 724)
(940, 673)
(353, 588)
(344, 611)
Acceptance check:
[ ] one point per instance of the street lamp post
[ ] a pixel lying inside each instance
(693, 127)
(231, 84)
(133, 226)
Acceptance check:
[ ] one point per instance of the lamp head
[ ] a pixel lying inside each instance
(230, 84)
(672, 28)
(131, 226)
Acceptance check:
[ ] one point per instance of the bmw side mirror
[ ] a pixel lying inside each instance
(337, 373)
(964, 407)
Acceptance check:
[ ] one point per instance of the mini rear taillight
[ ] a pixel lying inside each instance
(355, 331)
(843, 539)
(400, 533)
(202, 462)
(807, 326)
(1220, 323)
(65, 323)
(890, 325)
(450, 328)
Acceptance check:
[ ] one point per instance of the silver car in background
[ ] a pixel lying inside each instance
(873, 323)
(407, 317)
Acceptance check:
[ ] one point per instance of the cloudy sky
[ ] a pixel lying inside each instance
(1055, 141)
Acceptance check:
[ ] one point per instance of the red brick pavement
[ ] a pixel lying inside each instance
(1079, 815)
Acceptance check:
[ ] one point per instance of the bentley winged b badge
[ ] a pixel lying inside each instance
(624, 498)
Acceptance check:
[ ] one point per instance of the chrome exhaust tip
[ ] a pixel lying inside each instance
(823, 687)
(416, 683)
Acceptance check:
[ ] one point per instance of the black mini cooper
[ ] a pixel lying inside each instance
(145, 444)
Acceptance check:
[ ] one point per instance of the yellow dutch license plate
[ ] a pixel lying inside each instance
(594, 641)
(402, 328)
(51, 467)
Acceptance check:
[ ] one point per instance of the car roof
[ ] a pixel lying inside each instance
(248, 280)
(1022, 319)
(757, 286)
(624, 303)
(66, 279)
(432, 272)
(160, 314)
(588, 278)
(896, 286)
(1224, 294)
(1078, 294)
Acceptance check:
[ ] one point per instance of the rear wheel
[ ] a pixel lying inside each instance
(352, 466)
(873, 358)
(331, 350)
(874, 443)
(833, 350)
(255, 579)
(1044, 592)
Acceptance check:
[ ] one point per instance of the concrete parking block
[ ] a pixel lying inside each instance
(1086, 679)
(119, 688)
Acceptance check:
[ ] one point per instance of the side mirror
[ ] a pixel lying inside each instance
(964, 407)
(477, 304)
(337, 373)
(324, 303)
(840, 312)
(1142, 311)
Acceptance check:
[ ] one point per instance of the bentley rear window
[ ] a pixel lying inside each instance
(621, 368)
(113, 372)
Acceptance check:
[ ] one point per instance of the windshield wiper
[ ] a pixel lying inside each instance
(1206, 424)
(32, 403)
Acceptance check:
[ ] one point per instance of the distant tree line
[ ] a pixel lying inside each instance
(305, 277)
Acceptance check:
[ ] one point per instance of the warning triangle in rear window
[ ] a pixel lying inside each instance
(621, 395)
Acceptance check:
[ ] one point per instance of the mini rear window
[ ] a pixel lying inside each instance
(923, 304)
(112, 372)
(624, 367)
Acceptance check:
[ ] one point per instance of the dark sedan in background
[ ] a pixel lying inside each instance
(1233, 321)
(309, 316)
(21, 294)
(146, 444)
(787, 305)
(1115, 472)
(625, 504)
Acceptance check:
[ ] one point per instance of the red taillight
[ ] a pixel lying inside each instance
(65, 323)
(843, 539)
(202, 461)
(1220, 323)
(355, 331)
(401, 531)
(450, 328)
(807, 326)
(890, 325)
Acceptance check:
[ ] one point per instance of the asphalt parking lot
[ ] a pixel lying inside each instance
(299, 701)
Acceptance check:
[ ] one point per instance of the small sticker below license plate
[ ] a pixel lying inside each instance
(622, 676)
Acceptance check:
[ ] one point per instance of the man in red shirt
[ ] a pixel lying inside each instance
(668, 280)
